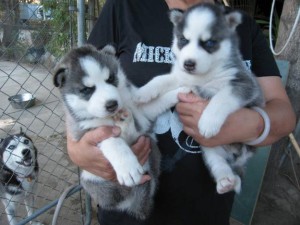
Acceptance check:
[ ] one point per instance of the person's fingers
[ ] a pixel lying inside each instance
(183, 109)
(145, 152)
(86, 154)
(142, 149)
(145, 178)
(100, 166)
(108, 172)
(188, 97)
(99, 134)
(96, 162)
(191, 109)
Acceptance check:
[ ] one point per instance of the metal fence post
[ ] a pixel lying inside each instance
(80, 23)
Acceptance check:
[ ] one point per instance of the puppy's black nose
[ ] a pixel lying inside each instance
(111, 105)
(25, 152)
(189, 65)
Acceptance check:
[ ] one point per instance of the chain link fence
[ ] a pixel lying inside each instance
(32, 39)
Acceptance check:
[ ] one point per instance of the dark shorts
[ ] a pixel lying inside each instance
(111, 217)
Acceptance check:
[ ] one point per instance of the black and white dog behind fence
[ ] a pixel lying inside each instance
(207, 58)
(18, 174)
(95, 92)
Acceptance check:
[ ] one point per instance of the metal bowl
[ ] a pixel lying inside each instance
(22, 101)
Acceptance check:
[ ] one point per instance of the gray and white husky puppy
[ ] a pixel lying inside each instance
(95, 92)
(18, 174)
(207, 57)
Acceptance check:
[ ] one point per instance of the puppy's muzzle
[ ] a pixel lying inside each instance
(27, 158)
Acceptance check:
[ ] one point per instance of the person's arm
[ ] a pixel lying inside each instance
(85, 153)
(245, 124)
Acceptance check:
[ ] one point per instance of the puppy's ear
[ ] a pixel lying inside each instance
(109, 49)
(59, 77)
(175, 16)
(1, 140)
(233, 19)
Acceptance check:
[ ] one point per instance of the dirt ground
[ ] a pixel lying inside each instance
(279, 200)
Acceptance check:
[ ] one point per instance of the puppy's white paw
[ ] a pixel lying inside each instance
(208, 128)
(143, 95)
(209, 125)
(130, 172)
(122, 117)
(185, 90)
(229, 183)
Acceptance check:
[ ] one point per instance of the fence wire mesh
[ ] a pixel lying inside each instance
(31, 41)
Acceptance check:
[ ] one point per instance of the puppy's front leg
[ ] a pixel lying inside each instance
(164, 102)
(156, 87)
(216, 112)
(119, 154)
(29, 204)
(29, 201)
(10, 208)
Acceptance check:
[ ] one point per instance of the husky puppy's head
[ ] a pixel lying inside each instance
(89, 80)
(203, 37)
(19, 154)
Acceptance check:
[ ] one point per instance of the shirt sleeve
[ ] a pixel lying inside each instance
(263, 62)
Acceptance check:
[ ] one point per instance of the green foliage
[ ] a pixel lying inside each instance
(61, 29)
(101, 3)
(60, 26)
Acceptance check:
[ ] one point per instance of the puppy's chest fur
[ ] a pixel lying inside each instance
(15, 185)
(210, 88)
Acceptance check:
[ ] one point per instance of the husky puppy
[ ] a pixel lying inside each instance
(95, 92)
(207, 57)
(18, 174)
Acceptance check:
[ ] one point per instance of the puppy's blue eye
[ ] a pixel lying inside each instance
(11, 147)
(209, 44)
(26, 142)
(87, 90)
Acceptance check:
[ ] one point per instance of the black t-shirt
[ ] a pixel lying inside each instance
(142, 34)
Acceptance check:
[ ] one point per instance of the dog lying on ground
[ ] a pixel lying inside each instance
(207, 58)
(95, 92)
(18, 174)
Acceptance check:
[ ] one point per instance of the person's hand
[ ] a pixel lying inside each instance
(87, 156)
(190, 108)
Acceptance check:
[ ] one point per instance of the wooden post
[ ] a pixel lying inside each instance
(292, 51)
(280, 190)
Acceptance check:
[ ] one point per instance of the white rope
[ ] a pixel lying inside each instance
(270, 30)
(60, 203)
(225, 2)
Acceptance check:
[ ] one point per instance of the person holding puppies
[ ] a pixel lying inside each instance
(142, 34)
